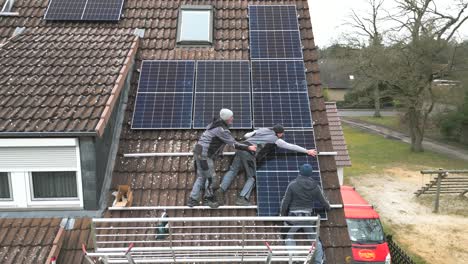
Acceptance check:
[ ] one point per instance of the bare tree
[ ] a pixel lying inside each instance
(368, 27)
(428, 32)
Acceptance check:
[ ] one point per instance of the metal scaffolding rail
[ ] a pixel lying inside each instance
(201, 239)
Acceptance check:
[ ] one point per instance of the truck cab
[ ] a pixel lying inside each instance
(364, 228)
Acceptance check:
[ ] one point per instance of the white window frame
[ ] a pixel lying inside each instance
(21, 180)
(9, 188)
(207, 8)
(7, 7)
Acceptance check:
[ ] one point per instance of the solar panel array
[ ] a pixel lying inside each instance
(86, 10)
(280, 96)
(165, 95)
(222, 84)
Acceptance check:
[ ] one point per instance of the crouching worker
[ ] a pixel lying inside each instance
(208, 148)
(298, 200)
(266, 140)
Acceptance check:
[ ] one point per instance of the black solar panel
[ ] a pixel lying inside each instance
(65, 9)
(291, 109)
(278, 76)
(222, 84)
(103, 10)
(285, 160)
(275, 45)
(271, 187)
(223, 77)
(273, 17)
(165, 95)
(88, 10)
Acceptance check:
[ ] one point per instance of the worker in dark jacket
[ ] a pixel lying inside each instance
(298, 200)
(266, 140)
(208, 148)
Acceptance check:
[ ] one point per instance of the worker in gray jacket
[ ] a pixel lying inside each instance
(208, 148)
(298, 201)
(266, 140)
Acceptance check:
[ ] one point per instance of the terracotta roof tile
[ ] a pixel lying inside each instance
(27, 240)
(58, 73)
(338, 140)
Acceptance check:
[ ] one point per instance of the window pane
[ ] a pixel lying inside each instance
(195, 25)
(57, 184)
(4, 186)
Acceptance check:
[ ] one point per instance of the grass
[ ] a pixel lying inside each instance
(392, 122)
(389, 230)
(372, 153)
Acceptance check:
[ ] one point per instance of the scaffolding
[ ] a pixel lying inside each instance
(201, 240)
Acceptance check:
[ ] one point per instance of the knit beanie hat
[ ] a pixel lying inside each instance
(278, 129)
(225, 114)
(306, 170)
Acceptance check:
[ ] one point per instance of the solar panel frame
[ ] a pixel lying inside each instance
(238, 99)
(267, 76)
(269, 108)
(271, 187)
(50, 14)
(91, 13)
(82, 12)
(275, 45)
(275, 20)
(188, 95)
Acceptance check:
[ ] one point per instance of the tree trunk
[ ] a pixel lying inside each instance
(415, 130)
(377, 101)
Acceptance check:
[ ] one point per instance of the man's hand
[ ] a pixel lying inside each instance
(253, 148)
(312, 152)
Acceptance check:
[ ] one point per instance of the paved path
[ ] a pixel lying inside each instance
(392, 134)
(365, 112)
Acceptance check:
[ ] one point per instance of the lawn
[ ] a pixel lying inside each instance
(392, 122)
(372, 153)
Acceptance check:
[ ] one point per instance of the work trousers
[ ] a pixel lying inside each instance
(294, 227)
(206, 178)
(242, 160)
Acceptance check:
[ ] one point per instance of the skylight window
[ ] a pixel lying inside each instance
(7, 9)
(195, 26)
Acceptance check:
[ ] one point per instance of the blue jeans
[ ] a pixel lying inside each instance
(206, 178)
(243, 160)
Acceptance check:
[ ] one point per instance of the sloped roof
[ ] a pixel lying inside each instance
(27, 240)
(79, 234)
(337, 136)
(167, 181)
(60, 79)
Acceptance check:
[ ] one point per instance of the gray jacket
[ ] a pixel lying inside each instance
(266, 140)
(301, 195)
(213, 140)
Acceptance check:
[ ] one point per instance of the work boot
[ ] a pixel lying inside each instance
(219, 195)
(242, 201)
(210, 201)
(192, 202)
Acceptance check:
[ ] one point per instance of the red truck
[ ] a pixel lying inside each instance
(365, 230)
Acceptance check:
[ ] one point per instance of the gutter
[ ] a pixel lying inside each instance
(47, 134)
(106, 114)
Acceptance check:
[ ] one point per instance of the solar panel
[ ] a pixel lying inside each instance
(291, 109)
(273, 17)
(222, 84)
(271, 187)
(65, 9)
(278, 76)
(103, 10)
(285, 160)
(165, 95)
(275, 45)
(89, 10)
